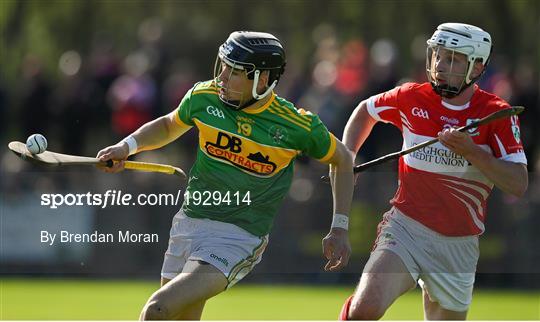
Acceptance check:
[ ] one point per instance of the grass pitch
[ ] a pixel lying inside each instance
(45, 299)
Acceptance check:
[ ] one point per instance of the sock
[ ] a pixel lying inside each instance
(344, 314)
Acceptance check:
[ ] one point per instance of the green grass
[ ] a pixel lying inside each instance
(36, 299)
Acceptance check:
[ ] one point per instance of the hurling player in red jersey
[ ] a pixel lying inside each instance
(430, 235)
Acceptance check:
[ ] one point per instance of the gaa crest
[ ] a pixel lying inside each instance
(277, 134)
(515, 128)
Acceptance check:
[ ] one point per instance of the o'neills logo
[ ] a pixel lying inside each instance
(220, 259)
(229, 148)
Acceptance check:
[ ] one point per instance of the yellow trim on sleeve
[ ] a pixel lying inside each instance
(331, 149)
(300, 118)
(304, 112)
(273, 110)
(180, 122)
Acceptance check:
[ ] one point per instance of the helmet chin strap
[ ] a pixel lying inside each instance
(448, 91)
(254, 88)
(256, 97)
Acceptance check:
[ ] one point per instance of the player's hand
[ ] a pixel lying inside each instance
(337, 249)
(118, 152)
(458, 142)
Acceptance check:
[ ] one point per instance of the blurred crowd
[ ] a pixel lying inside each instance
(100, 96)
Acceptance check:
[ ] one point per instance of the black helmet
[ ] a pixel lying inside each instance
(253, 52)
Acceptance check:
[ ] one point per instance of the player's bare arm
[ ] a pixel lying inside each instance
(150, 136)
(358, 128)
(508, 176)
(159, 132)
(336, 246)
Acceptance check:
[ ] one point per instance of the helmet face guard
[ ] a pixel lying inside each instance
(452, 81)
(458, 39)
(252, 53)
(233, 99)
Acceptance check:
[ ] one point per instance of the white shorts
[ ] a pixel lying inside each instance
(443, 266)
(229, 248)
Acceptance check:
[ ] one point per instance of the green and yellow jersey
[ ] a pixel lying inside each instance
(245, 159)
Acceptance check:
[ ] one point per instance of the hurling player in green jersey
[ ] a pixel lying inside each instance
(249, 139)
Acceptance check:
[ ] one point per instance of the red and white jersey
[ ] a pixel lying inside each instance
(437, 187)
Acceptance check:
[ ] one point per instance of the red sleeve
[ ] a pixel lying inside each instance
(386, 106)
(505, 140)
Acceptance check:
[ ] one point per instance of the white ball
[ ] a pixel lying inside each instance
(36, 143)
